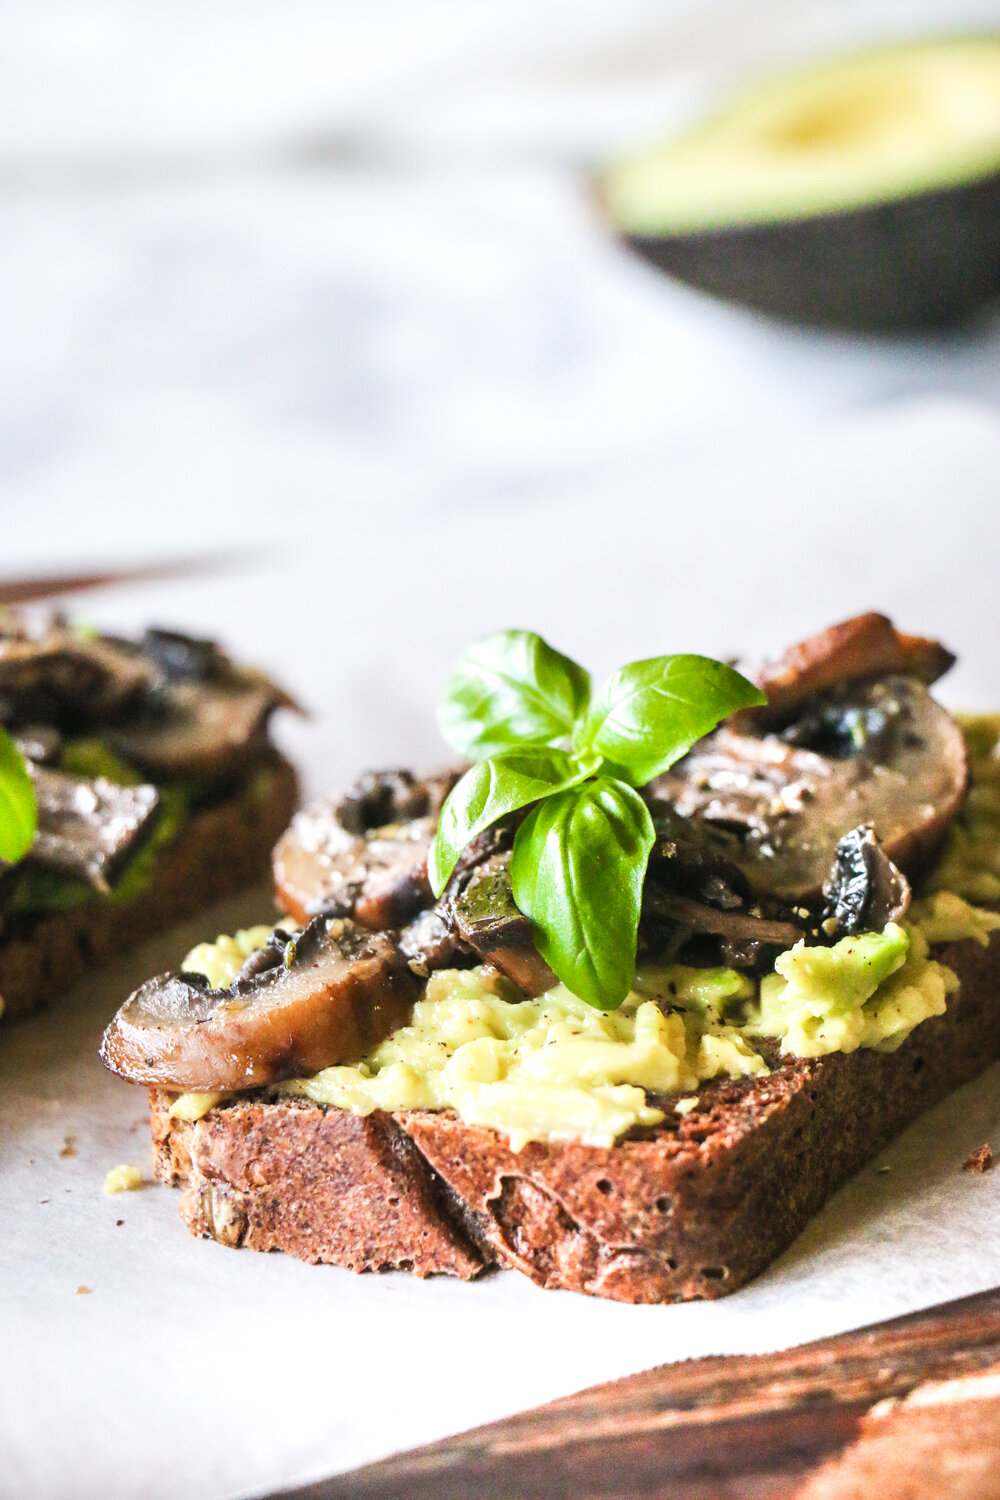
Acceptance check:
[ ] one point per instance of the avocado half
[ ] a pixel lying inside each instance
(860, 193)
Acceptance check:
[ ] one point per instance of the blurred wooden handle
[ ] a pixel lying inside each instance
(904, 1410)
(28, 590)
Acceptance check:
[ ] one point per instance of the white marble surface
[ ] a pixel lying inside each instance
(270, 269)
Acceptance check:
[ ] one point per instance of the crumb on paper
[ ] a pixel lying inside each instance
(84, 1291)
(119, 1223)
(685, 1106)
(980, 1160)
(69, 1146)
(123, 1179)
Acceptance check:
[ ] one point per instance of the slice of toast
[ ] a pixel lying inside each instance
(224, 847)
(691, 1208)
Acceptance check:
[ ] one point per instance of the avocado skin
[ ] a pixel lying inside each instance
(924, 261)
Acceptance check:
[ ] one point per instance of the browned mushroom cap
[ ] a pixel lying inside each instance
(791, 806)
(364, 853)
(864, 890)
(488, 921)
(865, 646)
(329, 994)
(199, 730)
(53, 672)
(737, 926)
(428, 942)
(693, 885)
(87, 830)
(380, 879)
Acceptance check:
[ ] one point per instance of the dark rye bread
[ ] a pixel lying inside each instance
(224, 847)
(691, 1208)
(322, 1184)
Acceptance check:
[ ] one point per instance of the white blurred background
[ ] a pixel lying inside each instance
(290, 268)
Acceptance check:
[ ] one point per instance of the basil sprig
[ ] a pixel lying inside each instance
(18, 807)
(525, 713)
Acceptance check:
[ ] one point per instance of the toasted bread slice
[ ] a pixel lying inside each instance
(692, 1208)
(224, 847)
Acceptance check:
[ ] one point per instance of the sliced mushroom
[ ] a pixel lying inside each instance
(379, 798)
(864, 890)
(174, 706)
(428, 942)
(187, 658)
(739, 926)
(38, 742)
(394, 884)
(488, 921)
(693, 889)
(364, 853)
(60, 676)
(87, 830)
(199, 730)
(865, 646)
(335, 994)
(696, 859)
(790, 807)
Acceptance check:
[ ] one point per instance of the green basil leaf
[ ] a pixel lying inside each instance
(18, 808)
(511, 689)
(500, 785)
(577, 870)
(651, 712)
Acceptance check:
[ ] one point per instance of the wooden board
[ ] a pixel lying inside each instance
(908, 1408)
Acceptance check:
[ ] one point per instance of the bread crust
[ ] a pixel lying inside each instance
(322, 1184)
(223, 848)
(692, 1208)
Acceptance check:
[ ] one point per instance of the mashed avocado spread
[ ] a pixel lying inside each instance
(970, 861)
(554, 1068)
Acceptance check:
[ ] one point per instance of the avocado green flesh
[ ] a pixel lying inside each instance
(830, 139)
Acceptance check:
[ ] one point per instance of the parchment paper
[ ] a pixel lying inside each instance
(187, 1368)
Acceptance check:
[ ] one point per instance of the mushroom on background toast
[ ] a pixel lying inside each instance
(168, 708)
